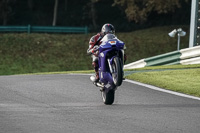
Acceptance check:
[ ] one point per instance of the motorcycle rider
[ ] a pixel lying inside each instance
(94, 43)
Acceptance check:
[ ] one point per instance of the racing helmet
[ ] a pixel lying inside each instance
(107, 28)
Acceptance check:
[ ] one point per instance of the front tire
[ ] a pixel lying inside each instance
(117, 71)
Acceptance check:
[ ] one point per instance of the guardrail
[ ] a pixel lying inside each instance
(45, 29)
(138, 64)
(164, 59)
(195, 60)
(190, 52)
(184, 56)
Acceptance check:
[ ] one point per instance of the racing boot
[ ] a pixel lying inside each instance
(95, 78)
(96, 67)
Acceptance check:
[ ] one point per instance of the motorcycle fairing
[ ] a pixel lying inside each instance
(110, 47)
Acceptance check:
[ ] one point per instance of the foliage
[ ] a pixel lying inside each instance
(139, 10)
(6, 10)
(94, 13)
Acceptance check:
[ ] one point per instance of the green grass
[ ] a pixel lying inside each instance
(62, 72)
(179, 78)
(33, 53)
(24, 53)
(164, 67)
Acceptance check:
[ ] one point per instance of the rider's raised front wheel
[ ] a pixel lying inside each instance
(108, 97)
(117, 71)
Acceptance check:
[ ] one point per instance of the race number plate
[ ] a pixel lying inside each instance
(112, 42)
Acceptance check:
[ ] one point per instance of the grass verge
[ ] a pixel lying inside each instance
(179, 78)
(63, 72)
(31, 53)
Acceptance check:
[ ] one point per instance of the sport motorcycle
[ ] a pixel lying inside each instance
(110, 62)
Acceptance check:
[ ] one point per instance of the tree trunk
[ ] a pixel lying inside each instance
(30, 4)
(55, 13)
(66, 3)
(5, 20)
(93, 13)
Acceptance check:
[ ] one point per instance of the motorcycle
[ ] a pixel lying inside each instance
(111, 62)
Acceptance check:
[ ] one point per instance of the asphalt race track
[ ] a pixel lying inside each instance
(64, 103)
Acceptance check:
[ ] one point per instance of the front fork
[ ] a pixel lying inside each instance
(110, 62)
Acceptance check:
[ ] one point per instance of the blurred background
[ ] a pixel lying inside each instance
(125, 15)
(142, 24)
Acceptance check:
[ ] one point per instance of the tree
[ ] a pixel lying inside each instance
(93, 12)
(6, 10)
(30, 4)
(139, 10)
(66, 3)
(55, 13)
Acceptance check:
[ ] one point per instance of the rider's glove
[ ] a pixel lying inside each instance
(95, 48)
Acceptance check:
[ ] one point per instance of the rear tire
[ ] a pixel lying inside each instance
(108, 97)
(117, 71)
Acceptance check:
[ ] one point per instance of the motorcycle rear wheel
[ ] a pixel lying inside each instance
(108, 97)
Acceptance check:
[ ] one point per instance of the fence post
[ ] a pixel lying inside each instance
(86, 30)
(29, 29)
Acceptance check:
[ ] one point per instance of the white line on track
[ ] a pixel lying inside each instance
(162, 90)
(156, 88)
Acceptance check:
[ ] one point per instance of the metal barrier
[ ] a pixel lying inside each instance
(138, 64)
(185, 56)
(44, 29)
(164, 59)
(190, 52)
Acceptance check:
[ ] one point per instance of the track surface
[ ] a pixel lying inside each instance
(72, 104)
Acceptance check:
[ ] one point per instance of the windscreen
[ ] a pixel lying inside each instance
(109, 37)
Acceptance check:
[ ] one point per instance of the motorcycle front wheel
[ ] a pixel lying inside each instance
(117, 71)
(108, 96)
